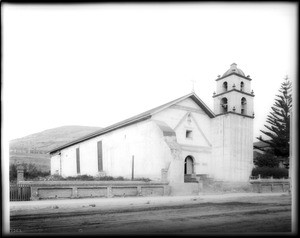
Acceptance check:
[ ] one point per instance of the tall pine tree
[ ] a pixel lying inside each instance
(278, 122)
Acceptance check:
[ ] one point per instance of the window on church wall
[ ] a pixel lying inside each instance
(225, 86)
(78, 160)
(224, 105)
(100, 155)
(189, 134)
(243, 105)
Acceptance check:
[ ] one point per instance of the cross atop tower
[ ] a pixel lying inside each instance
(193, 84)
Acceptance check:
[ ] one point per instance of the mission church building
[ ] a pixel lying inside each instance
(175, 141)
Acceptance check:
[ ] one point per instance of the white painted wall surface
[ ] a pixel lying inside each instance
(200, 124)
(232, 147)
(55, 164)
(221, 147)
(143, 140)
(68, 161)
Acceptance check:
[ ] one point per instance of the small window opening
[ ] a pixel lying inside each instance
(78, 160)
(189, 134)
(225, 86)
(100, 156)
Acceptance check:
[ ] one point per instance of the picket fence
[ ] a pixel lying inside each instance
(19, 192)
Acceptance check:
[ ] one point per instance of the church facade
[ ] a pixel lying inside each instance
(177, 140)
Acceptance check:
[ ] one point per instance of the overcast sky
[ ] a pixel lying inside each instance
(95, 65)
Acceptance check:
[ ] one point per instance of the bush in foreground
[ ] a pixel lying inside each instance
(85, 177)
(31, 172)
(267, 160)
(266, 172)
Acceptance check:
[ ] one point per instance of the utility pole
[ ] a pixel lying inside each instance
(132, 168)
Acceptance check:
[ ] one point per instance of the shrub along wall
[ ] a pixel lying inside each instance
(87, 178)
(266, 172)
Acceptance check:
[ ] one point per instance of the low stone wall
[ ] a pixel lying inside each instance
(270, 185)
(84, 189)
(216, 186)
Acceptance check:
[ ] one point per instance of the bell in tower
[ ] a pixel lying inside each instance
(233, 93)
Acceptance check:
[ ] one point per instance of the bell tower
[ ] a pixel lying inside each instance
(232, 130)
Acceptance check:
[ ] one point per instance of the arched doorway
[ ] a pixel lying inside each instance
(189, 165)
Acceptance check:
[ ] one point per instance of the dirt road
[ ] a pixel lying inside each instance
(198, 216)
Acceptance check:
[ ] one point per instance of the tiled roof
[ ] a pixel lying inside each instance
(137, 118)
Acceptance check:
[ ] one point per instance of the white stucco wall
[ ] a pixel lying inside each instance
(199, 147)
(55, 164)
(143, 140)
(152, 150)
(221, 147)
(232, 151)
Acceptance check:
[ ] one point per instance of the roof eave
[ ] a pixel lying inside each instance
(130, 121)
(199, 102)
(203, 106)
(105, 130)
(248, 78)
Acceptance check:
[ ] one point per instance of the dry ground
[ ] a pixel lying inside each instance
(198, 215)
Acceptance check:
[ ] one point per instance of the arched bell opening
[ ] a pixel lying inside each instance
(224, 105)
(243, 105)
(225, 86)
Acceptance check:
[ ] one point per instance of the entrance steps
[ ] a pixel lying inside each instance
(190, 178)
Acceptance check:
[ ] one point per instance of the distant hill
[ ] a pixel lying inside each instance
(33, 148)
(42, 142)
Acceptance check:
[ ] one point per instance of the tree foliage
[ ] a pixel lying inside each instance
(278, 122)
(30, 171)
(266, 160)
